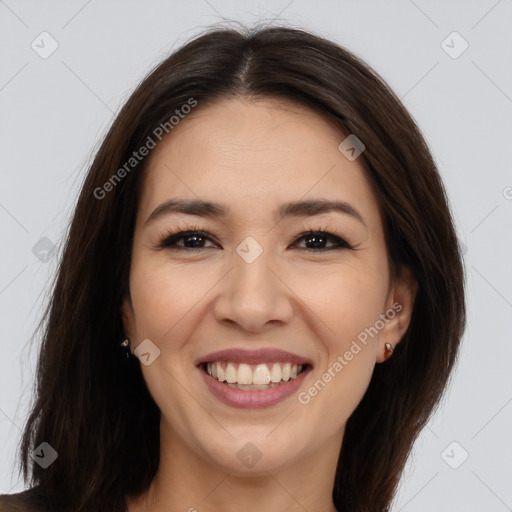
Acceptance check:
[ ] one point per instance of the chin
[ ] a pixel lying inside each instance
(253, 453)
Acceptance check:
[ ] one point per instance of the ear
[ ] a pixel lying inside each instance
(128, 318)
(398, 311)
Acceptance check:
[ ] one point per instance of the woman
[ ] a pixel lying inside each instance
(265, 235)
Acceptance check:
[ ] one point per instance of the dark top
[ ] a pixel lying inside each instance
(25, 501)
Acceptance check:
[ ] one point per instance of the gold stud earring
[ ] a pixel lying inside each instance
(126, 349)
(389, 350)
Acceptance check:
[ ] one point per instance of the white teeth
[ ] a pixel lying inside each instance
(244, 374)
(260, 376)
(285, 372)
(221, 376)
(230, 373)
(275, 373)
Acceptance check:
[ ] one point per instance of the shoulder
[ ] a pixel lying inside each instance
(29, 500)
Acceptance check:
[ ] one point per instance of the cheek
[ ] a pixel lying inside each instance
(163, 295)
(349, 305)
(334, 394)
(349, 302)
(348, 299)
(163, 298)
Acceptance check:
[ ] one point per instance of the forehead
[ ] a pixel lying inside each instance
(252, 155)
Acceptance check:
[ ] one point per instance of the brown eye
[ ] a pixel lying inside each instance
(317, 241)
(192, 239)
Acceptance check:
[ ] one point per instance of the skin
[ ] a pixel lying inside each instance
(253, 155)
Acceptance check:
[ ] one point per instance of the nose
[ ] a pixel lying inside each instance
(254, 294)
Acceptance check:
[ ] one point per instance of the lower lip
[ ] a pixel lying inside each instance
(253, 399)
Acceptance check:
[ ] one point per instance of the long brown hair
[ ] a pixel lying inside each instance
(94, 408)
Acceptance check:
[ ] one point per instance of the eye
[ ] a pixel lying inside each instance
(195, 239)
(319, 238)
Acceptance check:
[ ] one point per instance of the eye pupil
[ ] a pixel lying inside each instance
(195, 238)
(315, 239)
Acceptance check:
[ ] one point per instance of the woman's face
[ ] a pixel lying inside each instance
(256, 287)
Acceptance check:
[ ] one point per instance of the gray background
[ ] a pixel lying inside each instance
(54, 111)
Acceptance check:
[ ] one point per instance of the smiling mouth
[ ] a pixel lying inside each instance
(253, 377)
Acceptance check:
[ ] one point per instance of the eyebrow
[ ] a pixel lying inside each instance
(202, 208)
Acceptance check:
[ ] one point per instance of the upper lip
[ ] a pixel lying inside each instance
(258, 356)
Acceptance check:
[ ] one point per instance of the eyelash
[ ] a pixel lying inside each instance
(169, 239)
